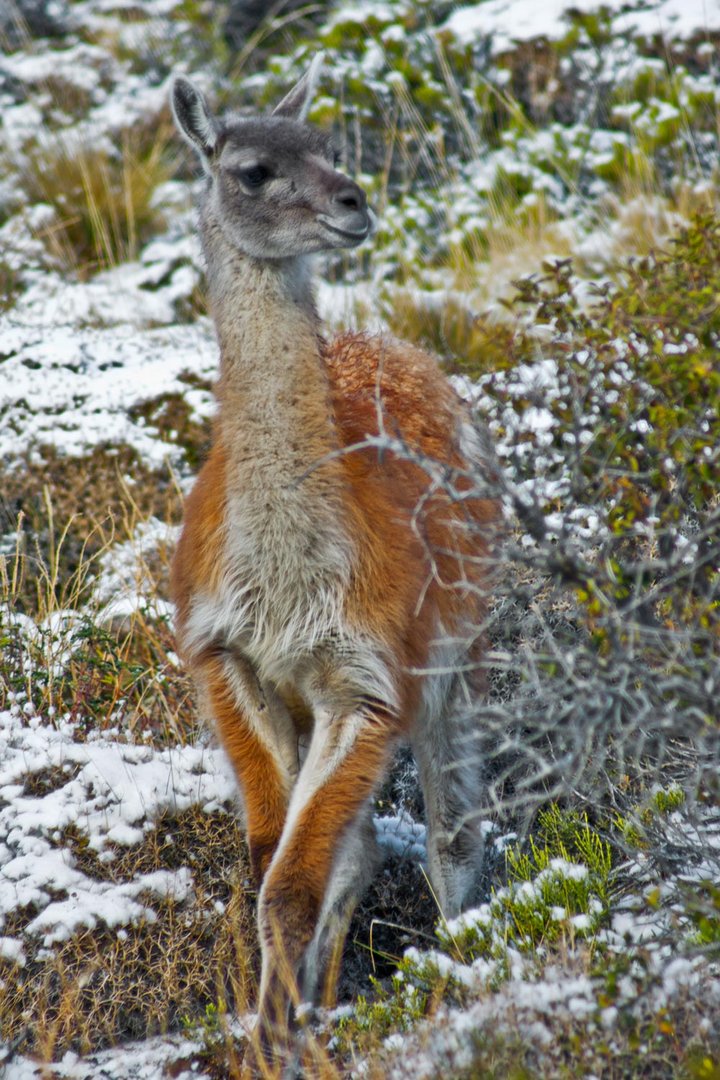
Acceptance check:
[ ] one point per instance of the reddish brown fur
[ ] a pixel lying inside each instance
(397, 523)
(389, 500)
(295, 890)
(388, 505)
(266, 793)
(386, 502)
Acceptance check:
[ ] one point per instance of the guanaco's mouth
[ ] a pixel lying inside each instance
(354, 236)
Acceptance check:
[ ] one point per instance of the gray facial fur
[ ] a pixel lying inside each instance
(272, 188)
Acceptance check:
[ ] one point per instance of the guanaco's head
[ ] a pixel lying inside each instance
(274, 187)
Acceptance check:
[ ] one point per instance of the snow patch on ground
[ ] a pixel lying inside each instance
(123, 584)
(72, 388)
(111, 794)
(147, 1060)
(401, 836)
(509, 22)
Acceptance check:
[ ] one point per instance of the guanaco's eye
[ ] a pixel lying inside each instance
(254, 176)
(337, 158)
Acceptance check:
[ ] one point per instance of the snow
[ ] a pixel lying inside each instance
(528, 1003)
(148, 1060)
(511, 21)
(73, 389)
(111, 794)
(123, 584)
(78, 65)
(11, 949)
(401, 836)
(361, 13)
(110, 904)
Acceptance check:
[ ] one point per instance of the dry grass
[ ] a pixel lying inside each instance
(118, 671)
(102, 198)
(98, 497)
(105, 985)
(9, 285)
(64, 516)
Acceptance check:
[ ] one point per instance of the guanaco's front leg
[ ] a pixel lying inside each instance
(258, 736)
(345, 761)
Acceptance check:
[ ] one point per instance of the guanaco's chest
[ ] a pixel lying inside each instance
(278, 599)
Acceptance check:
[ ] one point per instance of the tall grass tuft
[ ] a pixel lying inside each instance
(103, 198)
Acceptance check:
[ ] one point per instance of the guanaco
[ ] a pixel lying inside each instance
(333, 564)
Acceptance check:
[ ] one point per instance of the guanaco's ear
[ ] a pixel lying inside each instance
(192, 115)
(296, 104)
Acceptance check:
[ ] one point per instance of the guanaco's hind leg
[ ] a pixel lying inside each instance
(452, 780)
(345, 761)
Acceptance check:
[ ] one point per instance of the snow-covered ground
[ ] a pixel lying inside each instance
(509, 22)
(62, 793)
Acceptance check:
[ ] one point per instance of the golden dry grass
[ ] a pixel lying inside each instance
(103, 199)
(70, 513)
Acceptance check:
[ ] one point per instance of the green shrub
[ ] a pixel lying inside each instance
(391, 1010)
(558, 887)
(558, 891)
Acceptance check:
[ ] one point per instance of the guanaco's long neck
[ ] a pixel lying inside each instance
(275, 419)
(273, 387)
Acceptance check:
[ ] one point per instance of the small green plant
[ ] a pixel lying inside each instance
(703, 907)
(636, 823)
(667, 800)
(703, 1066)
(558, 888)
(210, 1027)
(568, 835)
(391, 1010)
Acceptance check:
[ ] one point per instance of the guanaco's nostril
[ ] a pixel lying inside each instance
(352, 198)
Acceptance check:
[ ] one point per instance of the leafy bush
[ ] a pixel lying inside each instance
(607, 417)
